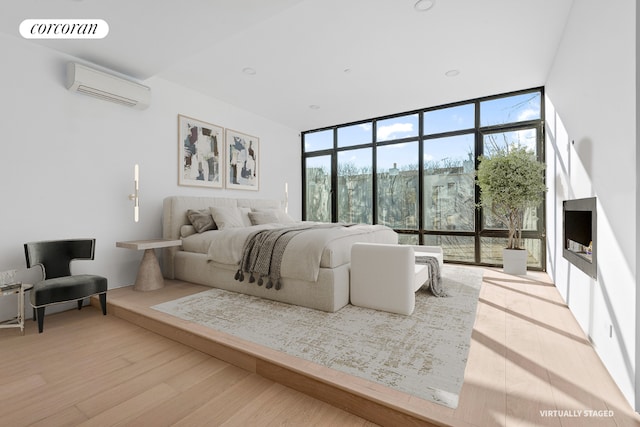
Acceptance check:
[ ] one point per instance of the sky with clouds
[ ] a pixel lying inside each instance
(497, 111)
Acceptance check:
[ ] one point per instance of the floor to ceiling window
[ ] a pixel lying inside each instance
(415, 172)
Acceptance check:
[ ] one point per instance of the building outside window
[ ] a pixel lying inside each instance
(415, 172)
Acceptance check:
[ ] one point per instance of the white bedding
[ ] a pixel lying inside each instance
(305, 254)
(189, 262)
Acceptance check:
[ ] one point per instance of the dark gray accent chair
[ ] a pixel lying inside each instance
(59, 285)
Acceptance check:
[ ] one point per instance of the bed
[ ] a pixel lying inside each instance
(318, 279)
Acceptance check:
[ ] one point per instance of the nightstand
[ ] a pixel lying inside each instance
(149, 276)
(18, 321)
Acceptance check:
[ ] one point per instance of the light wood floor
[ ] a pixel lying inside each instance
(527, 355)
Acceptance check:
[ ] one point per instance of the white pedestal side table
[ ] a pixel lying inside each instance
(149, 276)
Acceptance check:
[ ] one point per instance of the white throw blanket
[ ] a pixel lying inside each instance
(263, 251)
(435, 278)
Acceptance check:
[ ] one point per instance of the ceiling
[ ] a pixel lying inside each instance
(317, 62)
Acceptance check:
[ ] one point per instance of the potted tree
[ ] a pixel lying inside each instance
(511, 180)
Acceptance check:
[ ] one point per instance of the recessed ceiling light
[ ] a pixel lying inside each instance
(452, 73)
(249, 71)
(424, 5)
(314, 107)
(347, 70)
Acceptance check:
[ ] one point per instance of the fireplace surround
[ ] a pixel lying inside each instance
(579, 229)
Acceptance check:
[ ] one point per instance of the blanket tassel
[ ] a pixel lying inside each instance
(237, 276)
(260, 281)
(278, 285)
(251, 278)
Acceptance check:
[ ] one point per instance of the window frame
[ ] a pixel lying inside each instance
(478, 132)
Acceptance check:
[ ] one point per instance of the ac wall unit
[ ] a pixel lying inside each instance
(107, 86)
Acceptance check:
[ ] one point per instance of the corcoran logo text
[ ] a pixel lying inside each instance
(64, 29)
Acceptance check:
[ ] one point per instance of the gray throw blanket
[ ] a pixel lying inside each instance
(435, 278)
(263, 250)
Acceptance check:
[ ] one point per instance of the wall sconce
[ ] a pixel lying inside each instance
(134, 196)
(286, 197)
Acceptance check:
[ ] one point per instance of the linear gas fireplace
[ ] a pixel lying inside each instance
(579, 225)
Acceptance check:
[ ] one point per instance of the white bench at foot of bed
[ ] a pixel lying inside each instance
(386, 277)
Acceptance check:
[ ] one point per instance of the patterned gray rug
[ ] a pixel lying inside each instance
(424, 354)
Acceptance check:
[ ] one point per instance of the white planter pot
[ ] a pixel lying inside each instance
(514, 261)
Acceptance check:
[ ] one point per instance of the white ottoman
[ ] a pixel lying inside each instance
(385, 277)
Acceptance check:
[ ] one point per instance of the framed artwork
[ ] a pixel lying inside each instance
(243, 158)
(200, 153)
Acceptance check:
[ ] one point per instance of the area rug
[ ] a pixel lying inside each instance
(424, 354)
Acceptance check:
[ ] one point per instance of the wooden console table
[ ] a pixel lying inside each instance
(149, 276)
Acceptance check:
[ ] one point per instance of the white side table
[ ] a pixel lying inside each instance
(18, 322)
(149, 276)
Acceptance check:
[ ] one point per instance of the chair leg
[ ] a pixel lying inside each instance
(103, 303)
(34, 314)
(80, 304)
(40, 318)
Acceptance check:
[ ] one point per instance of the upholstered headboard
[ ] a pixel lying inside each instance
(174, 216)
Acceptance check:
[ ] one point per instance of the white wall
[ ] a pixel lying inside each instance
(591, 151)
(67, 162)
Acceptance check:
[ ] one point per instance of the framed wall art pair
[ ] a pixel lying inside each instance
(215, 157)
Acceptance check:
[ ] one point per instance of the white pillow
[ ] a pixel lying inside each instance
(258, 218)
(244, 214)
(283, 217)
(187, 230)
(228, 217)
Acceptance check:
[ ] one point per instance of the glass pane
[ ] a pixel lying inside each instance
(449, 119)
(355, 181)
(355, 135)
(500, 141)
(491, 251)
(454, 248)
(449, 183)
(529, 222)
(397, 128)
(397, 174)
(318, 178)
(511, 109)
(316, 141)
(534, 247)
(408, 239)
(493, 142)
